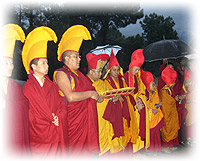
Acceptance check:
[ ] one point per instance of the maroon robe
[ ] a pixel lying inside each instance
(115, 112)
(142, 112)
(17, 106)
(82, 118)
(46, 139)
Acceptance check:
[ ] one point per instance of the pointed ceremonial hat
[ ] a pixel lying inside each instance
(72, 39)
(36, 45)
(137, 58)
(147, 78)
(113, 62)
(169, 75)
(11, 33)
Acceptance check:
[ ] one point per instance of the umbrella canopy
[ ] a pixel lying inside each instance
(166, 49)
(106, 49)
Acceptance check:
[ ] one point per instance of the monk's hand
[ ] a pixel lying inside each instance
(155, 111)
(115, 98)
(121, 99)
(55, 122)
(177, 98)
(139, 104)
(100, 99)
(182, 97)
(94, 95)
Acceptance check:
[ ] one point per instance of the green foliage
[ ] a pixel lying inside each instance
(156, 28)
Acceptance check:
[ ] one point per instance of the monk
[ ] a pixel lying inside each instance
(169, 131)
(79, 98)
(95, 65)
(47, 112)
(14, 103)
(188, 87)
(155, 113)
(126, 125)
(133, 79)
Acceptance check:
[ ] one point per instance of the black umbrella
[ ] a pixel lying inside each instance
(166, 49)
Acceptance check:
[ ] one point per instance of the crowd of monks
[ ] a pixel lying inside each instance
(70, 116)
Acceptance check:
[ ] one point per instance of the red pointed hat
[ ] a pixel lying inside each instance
(169, 75)
(147, 78)
(113, 60)
(137, 58)
(187, 75)
(96, 61)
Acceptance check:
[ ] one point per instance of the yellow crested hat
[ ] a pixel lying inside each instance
(11, 33)
(72, 39)
(35, 45)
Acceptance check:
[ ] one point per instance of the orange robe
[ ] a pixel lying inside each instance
(142, 116)
(156, 121)
(169, 131)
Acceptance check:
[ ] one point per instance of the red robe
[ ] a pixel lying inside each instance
(17, 106)
(46, 138)
(82, 118)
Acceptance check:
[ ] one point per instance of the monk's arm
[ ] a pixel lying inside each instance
(65, 86)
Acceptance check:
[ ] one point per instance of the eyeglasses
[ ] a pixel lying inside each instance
(76, 56)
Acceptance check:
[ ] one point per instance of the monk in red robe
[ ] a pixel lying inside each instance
(121, 115)
(47, 112)
(79, 96)
(14, 104)
(133, 79)
(155, 114)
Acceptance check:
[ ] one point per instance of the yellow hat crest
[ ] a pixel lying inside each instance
(11, 32)
(36, 45)
(72, 39)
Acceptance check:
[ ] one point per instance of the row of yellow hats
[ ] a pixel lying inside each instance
(35, 45)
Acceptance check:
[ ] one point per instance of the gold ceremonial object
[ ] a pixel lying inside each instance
(118, 92)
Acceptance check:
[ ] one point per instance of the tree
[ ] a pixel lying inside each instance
(103, 23)
(156, 28)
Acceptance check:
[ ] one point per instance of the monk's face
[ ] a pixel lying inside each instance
(95, 74)
(114, 71)
(135, 70)
(73, 60)
(7, 66)
(152, 86)
(41, 67)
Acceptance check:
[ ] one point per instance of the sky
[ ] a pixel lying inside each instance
(181, 15)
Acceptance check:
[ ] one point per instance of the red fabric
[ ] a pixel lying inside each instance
(45, 137)
(182, 111)
(17, 106)
(113, 60)
(142, 123)
(147, 78)
(92, 59)
(190, 131)
(114, 112)
(171, 143)
(82, 116)
(161, 83)
(169, 75)
(187, 74)
(155, 139)
(137, 58)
